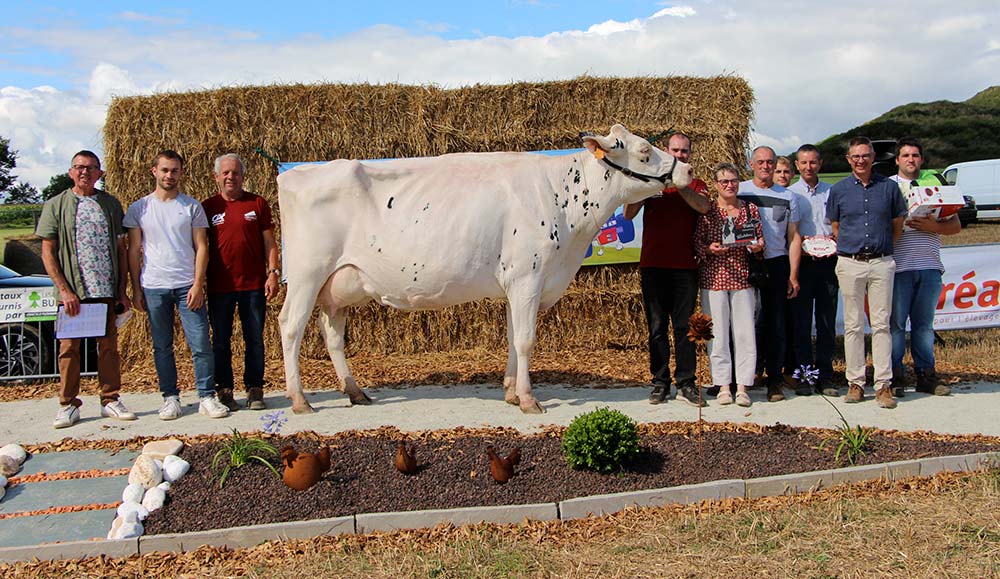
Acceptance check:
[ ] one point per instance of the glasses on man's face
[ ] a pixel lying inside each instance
(84, 168)
(728, 182)
(859, 158)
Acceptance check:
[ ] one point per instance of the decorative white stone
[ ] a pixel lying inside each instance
(174, 467)
(3, 491)
(140, 511)
(133, 493)
(126, 527)
(154, 499)
(9, 466)
(145, 472)
(16, 452)
(162, 448)
(164, 485)
(3, 486)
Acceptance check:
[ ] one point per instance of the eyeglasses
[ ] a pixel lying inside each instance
(859, 158)
(83, 168)
(725, 182)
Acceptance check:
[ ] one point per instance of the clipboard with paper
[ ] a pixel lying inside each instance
(91, 322)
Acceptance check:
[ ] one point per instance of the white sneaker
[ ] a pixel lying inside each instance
(171, 408)
(212, 408)
(117, 409)
(67, 416)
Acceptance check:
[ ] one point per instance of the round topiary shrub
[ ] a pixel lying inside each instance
(603, 440)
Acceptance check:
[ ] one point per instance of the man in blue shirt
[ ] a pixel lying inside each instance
(866, 212)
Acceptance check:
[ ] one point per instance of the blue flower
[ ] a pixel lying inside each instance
(273, 421)
(807, 374)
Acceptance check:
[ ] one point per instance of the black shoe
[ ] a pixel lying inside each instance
(691, 394)
(659, 393)
(898, 384)
(803, 389)
(774, 393)
(713, 390)
(255, 399)
(928, 383)
(226, 398)
(826, 387)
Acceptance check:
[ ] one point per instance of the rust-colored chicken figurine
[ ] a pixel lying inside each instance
(502, 469)
(406, 459)
(699, 328)
(303, 470)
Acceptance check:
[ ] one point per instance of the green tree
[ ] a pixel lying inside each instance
(57, 184)
(8, 160)
(22, 194)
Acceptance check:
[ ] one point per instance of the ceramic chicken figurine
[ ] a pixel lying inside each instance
(303, 470)
(406, 459)
(502, 469)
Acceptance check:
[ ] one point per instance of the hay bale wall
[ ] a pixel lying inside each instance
(323, 122)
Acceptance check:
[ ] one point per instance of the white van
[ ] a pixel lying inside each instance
(981, 180)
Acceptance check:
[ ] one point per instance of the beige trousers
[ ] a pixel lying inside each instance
(872, 279)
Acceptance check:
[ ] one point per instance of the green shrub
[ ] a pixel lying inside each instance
(604, 440)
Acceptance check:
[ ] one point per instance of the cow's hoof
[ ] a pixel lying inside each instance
(532, 408)
(359, 399)
(510, 394)
(302, 408)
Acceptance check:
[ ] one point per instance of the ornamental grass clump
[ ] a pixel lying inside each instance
(240, 450)
(604, 440)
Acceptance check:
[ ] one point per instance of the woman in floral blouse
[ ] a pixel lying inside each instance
(726, 238)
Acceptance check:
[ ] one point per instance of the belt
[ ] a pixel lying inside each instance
(863, 256)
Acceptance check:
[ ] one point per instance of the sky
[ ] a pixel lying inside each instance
(816, 68)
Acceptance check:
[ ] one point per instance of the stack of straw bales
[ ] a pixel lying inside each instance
(321, 122)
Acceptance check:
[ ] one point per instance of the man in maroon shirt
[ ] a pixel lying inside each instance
(669, 277)
(242, 274)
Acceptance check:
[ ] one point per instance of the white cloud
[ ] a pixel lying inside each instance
(815, 72)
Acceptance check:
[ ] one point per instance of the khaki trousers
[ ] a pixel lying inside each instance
(872, 279)
(109, 370)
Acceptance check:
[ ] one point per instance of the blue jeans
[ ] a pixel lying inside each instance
(252, 306)
(160, 304)
(915, 296)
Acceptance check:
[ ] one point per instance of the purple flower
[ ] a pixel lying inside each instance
(807, 374)
(273, 421)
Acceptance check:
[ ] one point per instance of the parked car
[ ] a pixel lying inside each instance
(969, 213)
(981, 180)
(27, 349)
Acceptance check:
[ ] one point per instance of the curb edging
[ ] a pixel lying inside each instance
(250, 536)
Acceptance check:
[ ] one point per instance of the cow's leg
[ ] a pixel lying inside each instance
(299, 301)
(333, 320)
(523, 309)
(510, 375)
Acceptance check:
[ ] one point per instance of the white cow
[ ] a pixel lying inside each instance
(427, 233)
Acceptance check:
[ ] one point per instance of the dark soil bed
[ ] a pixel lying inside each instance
(454, 472)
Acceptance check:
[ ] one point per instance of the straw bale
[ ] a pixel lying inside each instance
(602, 308)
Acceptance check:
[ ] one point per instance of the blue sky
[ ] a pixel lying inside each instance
(816, 68)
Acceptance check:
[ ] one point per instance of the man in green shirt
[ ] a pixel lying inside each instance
(83, 249)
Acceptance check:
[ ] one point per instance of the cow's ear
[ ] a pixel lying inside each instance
(619, 132)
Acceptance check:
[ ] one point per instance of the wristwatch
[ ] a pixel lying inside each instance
(275, 271)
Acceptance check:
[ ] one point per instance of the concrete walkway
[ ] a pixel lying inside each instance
(970, 409)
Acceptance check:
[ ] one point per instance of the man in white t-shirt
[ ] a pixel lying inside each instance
(172, 231)
(779, 214)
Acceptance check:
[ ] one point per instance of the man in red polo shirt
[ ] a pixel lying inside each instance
(669, 277)
(242, 274)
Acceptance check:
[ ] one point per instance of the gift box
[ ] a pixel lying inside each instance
(938, 201)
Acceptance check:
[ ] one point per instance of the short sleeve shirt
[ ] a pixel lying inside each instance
(865, 214)
(777, 209)
(918, 250)
(668, 224)
(812, 208)
(236, 257)
(167, 239)
(92, 249)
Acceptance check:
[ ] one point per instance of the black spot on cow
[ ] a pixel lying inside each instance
(586, 191)
(515, 231)
(557, 247)
(570, 172)
(389, 206)
(543, 224)
(607, 174)
(586, 203)
(565, 203)
(380, 250)
(567, 188)
(414, 278)
(618, 144)
(426, 207)
(575, 198)
(576, 177)
(552, 237)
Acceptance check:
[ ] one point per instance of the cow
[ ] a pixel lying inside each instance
(431, 232)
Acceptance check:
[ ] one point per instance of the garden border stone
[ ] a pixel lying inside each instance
(237, 537)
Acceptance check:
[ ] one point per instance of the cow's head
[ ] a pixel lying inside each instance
(637, 159)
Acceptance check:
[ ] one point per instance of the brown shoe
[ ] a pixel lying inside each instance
(884, 397)
(774, 393)
(255, 399)
(226, 398)
(855, 393)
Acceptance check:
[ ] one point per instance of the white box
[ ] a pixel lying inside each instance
(938, 201)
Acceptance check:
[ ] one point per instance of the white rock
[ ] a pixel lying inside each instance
(133, 493)
(9, 466)
(140, 511)
(145, 472)
(16, 452)
(164, 485)
(126, 527)
(3, 481)
(174, 467)
(3, 491)
(154, 499)
(162, 448)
